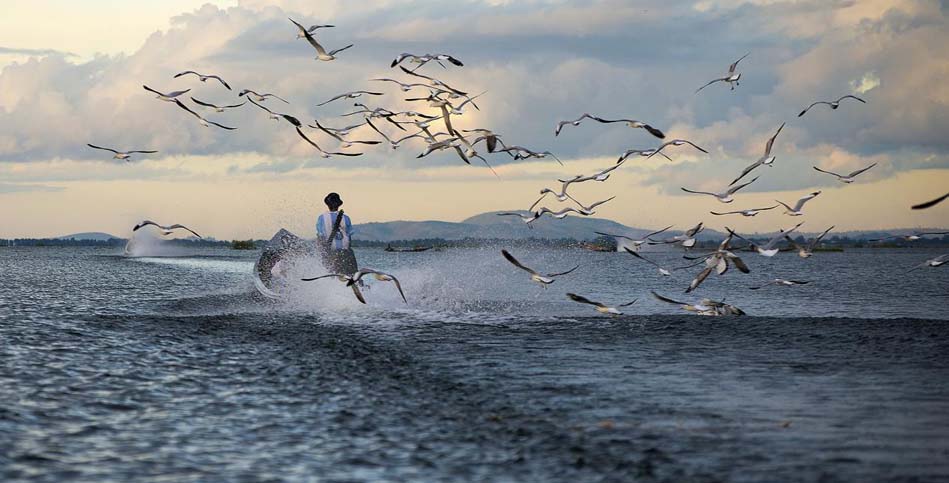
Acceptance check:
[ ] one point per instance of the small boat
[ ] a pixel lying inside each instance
(390, 248)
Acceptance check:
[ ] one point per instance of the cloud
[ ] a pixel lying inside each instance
(20, 188)
(865, 84)
(39, 52)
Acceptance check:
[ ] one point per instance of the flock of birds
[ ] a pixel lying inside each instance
(447, 102)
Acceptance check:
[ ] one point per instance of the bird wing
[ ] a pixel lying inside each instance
(393, 279)
(745, 171)
(186, 73)
(767, 147)
(598, 203)
(261, 106)
(725, 213)
(220, 125)
(731, 68)
(334, 98)
(699, 279)
(739, 263)
(637, 255)
(297, 24)
(855, 173)
(710, 83)
(563, 273)
(805, 199)
(657, 232)
(334, 52)
(699, 192)
(808, 108)
(219, 80)
(828, 172)
(666, 299)
(327, 131)
(176, 226)
(396, 61)
(781, 234)
(928, 204)
(141, 151)
(614, 236)
(627, 304)
(734, 189)
(201, 103)
(276, 97)
(102, 148)
(583, 300)
(817, 240)
(851, 97)
(181, 105)
(516, 263)
(146, 223)
(358, 293)
(328, 275)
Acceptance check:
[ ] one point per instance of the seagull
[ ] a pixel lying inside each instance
(687, 238)
(929, 204)
(662, 271)
(725, 196)
(674, 142)
(214, 107)
(588, 210)
(767, 249)
(344, 142)
(633, 124)
(261, 97)
(914, 237)
(169, 97)
(637, 243)
(933, 262)
(204, 122)
(344, 131)
(424, 59)
(203, 77)
(575, 122)
(351, 95)
(520, 152)
(166, 230)
(405, 87)
(434, 82)
(529, 218)
(354, 279)
(562, 195)
(796, 211)
(601, 308)
(121, 154)
(849, 178)
(560, 214)
(313, 28)
(321, 53)
(748, 212)
(705, 307)
(832, 104)
(602, 175)
(766, 159)
(718, 261)
(783, 282)
(646, 153)
(806, 250)
(731, 78)
(543, 279)
(276, 115)
(324, 154)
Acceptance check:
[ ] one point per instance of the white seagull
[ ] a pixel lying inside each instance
(313, 28)
(806, 250)
(796, 211)
(543, 279)
(636, 242)
(321, 53)
(675, 142)
(768, 249)
(424, 59)
(215, 107)
(261, 97)
(646, 153)
(662, 271)
(121, 154)
(725, 196)
(204, 122)
(633, 124)
(766, 159)
(848, 178)
(351, 95)
(166, 230)
(600, 307)
(704, 307)
(169, 97)
(782, 282)
(528, 218)
(324, 154)
(354, 279)
(732, 78)
(562, 195)
(575, 122)
(687, 238)
(913, 237)
(748, 212)
(203, 77)
(402, 85)
(832, 104)
(933, 262)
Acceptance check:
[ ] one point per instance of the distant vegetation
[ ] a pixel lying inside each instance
(243, 245)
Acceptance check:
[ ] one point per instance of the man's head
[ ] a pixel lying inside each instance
(333, 201)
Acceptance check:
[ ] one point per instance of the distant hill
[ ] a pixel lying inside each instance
(89, 235)
(490, 225)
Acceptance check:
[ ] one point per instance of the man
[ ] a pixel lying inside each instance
(338, 257)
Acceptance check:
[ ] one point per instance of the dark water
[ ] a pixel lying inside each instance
(168, 369)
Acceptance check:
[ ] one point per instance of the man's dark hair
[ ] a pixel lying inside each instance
(333, 201)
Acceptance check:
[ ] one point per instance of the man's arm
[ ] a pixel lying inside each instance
(349, 226)
(320, 228)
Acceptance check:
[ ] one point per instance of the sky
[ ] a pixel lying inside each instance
(71, 73)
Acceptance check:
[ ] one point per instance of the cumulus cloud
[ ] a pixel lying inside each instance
(539, 62)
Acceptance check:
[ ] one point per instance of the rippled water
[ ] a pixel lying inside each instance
(169, 369)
